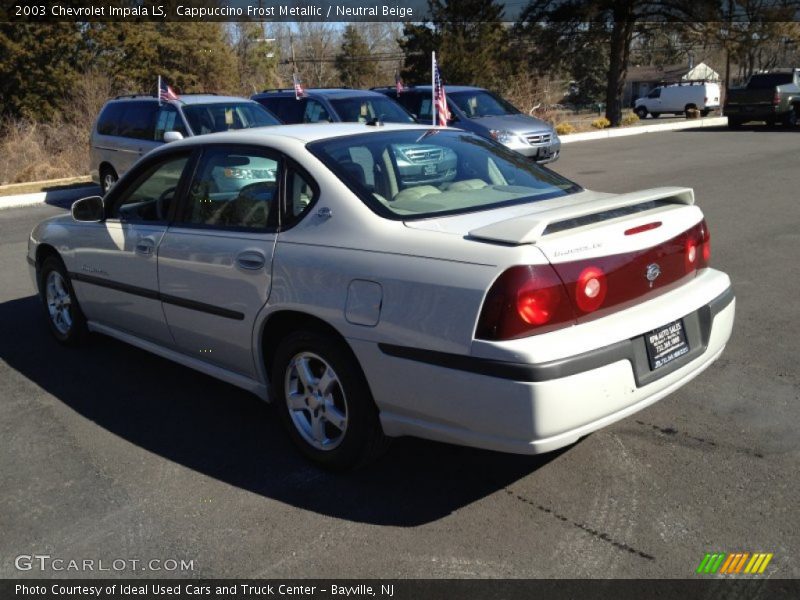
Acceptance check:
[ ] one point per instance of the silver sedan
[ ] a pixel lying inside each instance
(378, 281)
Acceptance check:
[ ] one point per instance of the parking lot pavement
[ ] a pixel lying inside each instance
(108, 452)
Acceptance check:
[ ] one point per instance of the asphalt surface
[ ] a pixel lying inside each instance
(108, 453)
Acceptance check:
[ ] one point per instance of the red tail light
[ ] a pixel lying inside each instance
(590, 289)
(527, 300)
(776, 99)
(524, 299)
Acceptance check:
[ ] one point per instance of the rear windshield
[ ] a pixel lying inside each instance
(480, 103)
(370, 108)
(222, 116)
(414, 174)
(768, 81)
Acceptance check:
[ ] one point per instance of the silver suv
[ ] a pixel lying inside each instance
(480, 111)
(129, 127)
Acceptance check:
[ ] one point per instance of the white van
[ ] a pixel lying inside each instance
(679, 98)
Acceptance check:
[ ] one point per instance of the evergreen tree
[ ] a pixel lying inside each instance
(38, 65)
(192, 57)
(470, 41)
(353, 62)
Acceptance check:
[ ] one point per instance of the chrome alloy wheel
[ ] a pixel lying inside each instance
(316, 400)
(59, 302)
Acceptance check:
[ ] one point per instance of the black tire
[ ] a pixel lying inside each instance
(108, 177)
(641, 112)
(790, 120)
(705, 112)
(62, 311)
(655, 115)
(734, 123)
(342, 417)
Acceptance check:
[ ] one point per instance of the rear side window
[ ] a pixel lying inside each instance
(138, 120)
(288, 109)
(768, 81)
(108, 123)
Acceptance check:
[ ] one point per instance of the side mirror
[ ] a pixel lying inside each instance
(172, 136)
(88, 210)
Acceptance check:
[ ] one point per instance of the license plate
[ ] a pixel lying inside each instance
(666, 344)
(544, 153)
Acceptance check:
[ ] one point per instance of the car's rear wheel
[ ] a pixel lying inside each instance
(108, 178)
(641, 112)
(705, 112)
(325, 402)
(64, 316)
(790, 120)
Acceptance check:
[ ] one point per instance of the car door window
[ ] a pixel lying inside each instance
(234, 188)
(168, 120)
(150, 196)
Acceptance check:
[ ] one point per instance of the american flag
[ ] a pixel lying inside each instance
(165, 92)
(299, 90)
(398, 83)
(439, 97)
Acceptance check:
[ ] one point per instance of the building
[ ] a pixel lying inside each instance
(640, 80)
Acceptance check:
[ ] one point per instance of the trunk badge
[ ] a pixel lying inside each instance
(653, 271)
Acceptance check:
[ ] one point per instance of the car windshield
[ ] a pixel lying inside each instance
(369, 108)
(414, 174)
(481, 103)
(224, 116)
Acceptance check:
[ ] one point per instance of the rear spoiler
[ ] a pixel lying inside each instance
(529, 229)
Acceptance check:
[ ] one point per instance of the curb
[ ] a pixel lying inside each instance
(59, 197)
(625, 131)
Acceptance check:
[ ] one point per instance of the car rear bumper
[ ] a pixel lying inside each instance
(535, 408)
(757, 112)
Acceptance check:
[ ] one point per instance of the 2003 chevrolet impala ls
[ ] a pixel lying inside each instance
(379, 281)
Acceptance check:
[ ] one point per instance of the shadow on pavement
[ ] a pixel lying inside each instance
(223, 432)
(64, 196)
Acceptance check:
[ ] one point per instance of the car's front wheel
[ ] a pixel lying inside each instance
(64, 316)
(108, 178)
(324, 401)
(641, 112)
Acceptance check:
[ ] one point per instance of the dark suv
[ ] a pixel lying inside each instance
(128, 127)
(333, 105)
(480, 111)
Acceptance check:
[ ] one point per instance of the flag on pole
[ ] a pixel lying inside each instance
(165, 92)
(441, 115)
(299, 90)
(398, 83)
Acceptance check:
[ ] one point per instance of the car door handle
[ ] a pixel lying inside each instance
(145, 247)
(252, 261)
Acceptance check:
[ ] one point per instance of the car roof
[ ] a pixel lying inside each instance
(306, 132)
(328, 92)
(448, 88)
(186, 99)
